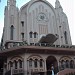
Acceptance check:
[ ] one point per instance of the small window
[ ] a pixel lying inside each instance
(11, 64)
(67, 64)
(11, 32)
(62, 64)
(71, 64)
(30, 63)
(20, 63)
(12, 19)
(35, 63)
(15, 63)
(35, 35)
(41, 63)
(65, 36)
(22, 23)
(22, 36)
(31, 33)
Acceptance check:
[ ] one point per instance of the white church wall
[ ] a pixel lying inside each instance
(39, 17)
(35, 23)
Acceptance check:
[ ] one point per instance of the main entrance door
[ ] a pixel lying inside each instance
(51, 63)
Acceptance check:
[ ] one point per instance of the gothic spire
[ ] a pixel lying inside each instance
(11, 2)
(57, 4)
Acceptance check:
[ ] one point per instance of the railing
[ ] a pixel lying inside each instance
(8, 72)
(13, 44)
(49, 72)
(17, 71)
(17, 44)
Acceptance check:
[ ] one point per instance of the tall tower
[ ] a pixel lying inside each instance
(64, 33)
(11, 21)
(11, 4)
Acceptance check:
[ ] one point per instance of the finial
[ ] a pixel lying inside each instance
(57, 4)
(11, 2)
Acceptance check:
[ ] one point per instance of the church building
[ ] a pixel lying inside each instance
(36, 40)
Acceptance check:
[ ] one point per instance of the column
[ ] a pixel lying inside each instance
(45, 70)
(25, 66)
(13, 65)
(33, 64)
(4, 69)
(18, 64)
(59, 65)
(38, 65)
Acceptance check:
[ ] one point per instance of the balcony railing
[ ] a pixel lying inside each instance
(17, 71)
(8, 72)
(17, 44)
(49, 72)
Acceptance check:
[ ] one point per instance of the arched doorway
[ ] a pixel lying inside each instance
(51, 62)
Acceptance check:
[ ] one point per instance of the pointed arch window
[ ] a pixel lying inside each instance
(30, 62)
(22, 22)
(62, 64)
(11, 64)
(22, 34)
(67, 64)
(15, 64)
(35, 62)
(11, 32)
(35, 34)
(20, 63)
(71, 64)
(41, 63)
(65, 36)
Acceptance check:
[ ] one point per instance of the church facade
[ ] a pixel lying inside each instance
(36, 40)
(34, 20)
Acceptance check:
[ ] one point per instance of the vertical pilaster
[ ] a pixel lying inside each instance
(45, 70)
(25, 66)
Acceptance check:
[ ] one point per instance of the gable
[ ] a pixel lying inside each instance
(41, 6)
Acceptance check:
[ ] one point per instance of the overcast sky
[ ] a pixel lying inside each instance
(67, 5)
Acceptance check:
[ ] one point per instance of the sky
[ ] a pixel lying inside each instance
(67, 5)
